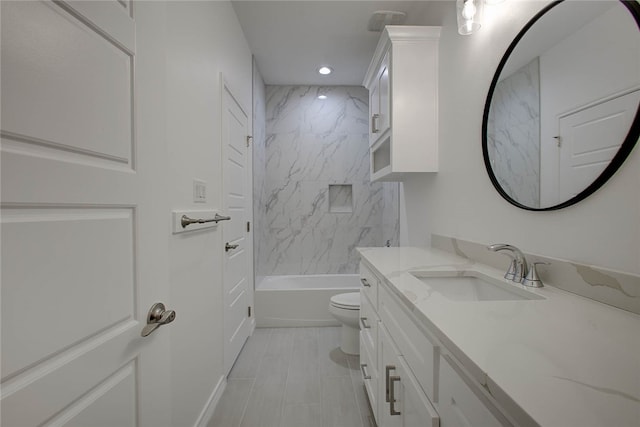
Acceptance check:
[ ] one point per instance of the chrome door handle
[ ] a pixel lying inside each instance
(363, 321)
(392, 398)
(228, 247)
(387, 371)
(158, 315)
(365, 283)
(364, 373)
(374, 127)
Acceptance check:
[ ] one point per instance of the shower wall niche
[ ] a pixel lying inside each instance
(313, 201)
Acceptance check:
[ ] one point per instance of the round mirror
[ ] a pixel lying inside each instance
(562, 113)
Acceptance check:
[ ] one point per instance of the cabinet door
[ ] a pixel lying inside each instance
(374, 111)
(402, 402)
(384, 109)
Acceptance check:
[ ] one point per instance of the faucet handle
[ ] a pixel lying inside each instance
(532, 278)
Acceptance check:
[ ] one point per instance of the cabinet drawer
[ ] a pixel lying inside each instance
(368, 327)
(411, 407)
(369, 372)
(414, 345)
(369, 284)
(459, 405)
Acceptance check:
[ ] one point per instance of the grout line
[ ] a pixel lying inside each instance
(354, 387)
(286, 380)
(322, 406)
(255, 379)
(246, 403)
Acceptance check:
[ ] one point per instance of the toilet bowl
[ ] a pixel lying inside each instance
(346, 308)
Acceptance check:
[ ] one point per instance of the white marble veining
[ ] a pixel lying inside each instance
(513, 134)
(615, 288)
(559, 361)
(259, 167)
(309, 145)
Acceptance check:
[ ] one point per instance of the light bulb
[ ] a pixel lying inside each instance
(469, 16)
(469, 10)
(468, 26)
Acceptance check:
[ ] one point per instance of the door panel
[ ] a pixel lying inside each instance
(236, 205)
(106, 289)
(76, 210)
(374, 110)
(77, 97)
(590, 138)
(118, 391)
(385, 96)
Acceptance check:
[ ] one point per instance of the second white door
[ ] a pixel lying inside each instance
(236, 193)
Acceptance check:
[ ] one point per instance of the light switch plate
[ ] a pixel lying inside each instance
(199, 191)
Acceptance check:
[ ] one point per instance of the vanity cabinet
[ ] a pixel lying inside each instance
(403, 102)
(405, 403)
(411, 379)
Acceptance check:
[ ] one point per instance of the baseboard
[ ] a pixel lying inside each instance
(212, 402)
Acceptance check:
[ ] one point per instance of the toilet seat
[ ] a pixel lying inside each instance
(348, 301)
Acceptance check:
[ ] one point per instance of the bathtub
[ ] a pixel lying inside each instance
(283, 301)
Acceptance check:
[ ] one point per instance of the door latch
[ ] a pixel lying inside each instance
(158, 315)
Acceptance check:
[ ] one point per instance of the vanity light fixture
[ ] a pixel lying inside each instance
(324, 70)
(469, 14)
(322, 96)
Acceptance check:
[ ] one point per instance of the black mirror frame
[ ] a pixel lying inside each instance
(623, 152)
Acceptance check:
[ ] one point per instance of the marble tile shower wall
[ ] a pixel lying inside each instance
(311, 144)
(514, 134)
(259, 171)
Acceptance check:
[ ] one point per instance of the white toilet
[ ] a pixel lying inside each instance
(346, 308)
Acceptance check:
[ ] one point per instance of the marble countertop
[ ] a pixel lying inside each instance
(560, 361)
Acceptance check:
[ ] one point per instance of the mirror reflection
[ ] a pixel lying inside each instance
(563, 103)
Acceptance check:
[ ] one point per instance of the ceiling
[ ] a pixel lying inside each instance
(292, 39)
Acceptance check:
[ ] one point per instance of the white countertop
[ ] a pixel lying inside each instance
(560, 361)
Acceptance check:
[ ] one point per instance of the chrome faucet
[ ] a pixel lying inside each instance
(518, 268)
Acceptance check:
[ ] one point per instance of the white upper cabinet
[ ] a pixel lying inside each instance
(403, 101)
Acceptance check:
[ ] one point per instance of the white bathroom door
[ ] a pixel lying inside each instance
(81, 237)
(236, 194)
(590, 138)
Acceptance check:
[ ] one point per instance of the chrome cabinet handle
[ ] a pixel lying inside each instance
(392, 398)
(387, 370)
(364, 373)
(374, 120)
(158, 315)
(365, 283)
(228, 247)
(363, 321)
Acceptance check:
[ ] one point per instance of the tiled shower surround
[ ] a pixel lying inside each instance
(311, 144)
(514, 134)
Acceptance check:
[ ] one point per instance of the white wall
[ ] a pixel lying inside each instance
(583, 68)
(460, 201)
(203, 39)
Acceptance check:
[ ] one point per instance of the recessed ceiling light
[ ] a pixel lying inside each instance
(322, 96)
(325, 70)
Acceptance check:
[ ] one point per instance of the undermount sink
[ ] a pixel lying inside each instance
(472, 286)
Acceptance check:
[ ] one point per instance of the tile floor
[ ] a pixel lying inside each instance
(294, 377)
